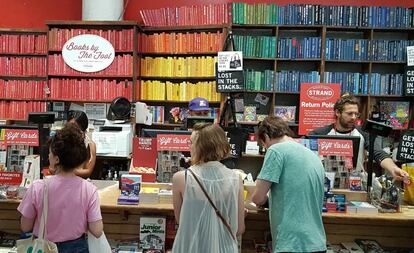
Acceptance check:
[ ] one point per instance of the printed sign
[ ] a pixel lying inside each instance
(10, 178)
(173, 142)
(316, 105)
(230, 61)
(144, 152)
(88, 53)
(410, 56)
(28, 137)
(229, 72)
(152, 234)
(406, 147)
(335, 147)
(409, 81)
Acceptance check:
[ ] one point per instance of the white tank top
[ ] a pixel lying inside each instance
(200, 229)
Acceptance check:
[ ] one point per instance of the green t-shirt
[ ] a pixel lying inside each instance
(296, 197)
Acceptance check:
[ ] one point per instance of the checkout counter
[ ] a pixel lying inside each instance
(122, 222)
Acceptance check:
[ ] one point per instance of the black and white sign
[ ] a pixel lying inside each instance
(406, 146)
(230, 61)
(229, 72)
(410, 56)
(409, 81)
(88, 53)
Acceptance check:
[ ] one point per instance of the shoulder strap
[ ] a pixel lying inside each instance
(43, 219)
(226, 224)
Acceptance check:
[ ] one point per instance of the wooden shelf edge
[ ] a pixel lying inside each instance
(56, 23)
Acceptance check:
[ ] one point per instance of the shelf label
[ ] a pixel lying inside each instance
(88, 53)
(406, 146)
(409, 81)
(316, 105)
(229, 72)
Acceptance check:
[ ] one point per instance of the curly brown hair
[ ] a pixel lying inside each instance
(69, 145)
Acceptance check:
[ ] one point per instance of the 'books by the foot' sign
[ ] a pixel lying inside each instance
(406, 146)
(409, 81)
(229, 72)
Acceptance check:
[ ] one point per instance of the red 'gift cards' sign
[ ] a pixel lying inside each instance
(173, 142)
(335, 147)
(28, 137)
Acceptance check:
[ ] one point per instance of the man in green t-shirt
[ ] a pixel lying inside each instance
(294, 175)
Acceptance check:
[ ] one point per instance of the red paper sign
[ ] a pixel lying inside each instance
(144, 152)
(316, 105)
(10, 178)
(335, 147)
(28, 137)
(173, 142)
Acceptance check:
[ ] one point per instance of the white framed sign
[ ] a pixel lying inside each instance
(230, 61)
(88, 53)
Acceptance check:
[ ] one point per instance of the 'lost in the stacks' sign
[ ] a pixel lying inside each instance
(335, 147)
(316, 105)
(406, 147)
(88, 53)
(409, 81)
(229, 71)
(28, 137)
(173, 142)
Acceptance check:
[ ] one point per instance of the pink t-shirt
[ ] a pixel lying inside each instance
(73, 202)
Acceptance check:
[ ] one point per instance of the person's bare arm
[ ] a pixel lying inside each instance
(396, 172)
(96, 228)
(26, 224)
(89, 166)
(241, 225)
(259, 196)
(178, 182)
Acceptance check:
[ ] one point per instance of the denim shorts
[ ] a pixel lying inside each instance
(79, 245)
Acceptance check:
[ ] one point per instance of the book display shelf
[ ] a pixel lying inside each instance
(363, 48)
(119, 79)
(23, 74)
(176, 65)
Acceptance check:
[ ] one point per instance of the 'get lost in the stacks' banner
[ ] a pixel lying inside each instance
(316, 105)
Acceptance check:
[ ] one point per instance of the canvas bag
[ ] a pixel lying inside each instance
(98, 245)
(40, 244)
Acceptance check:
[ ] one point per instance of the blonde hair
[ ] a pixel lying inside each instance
(209, 143)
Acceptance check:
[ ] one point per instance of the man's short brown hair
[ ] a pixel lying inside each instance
(345, 99)
(274, 127)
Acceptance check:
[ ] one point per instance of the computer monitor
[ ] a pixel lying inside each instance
(152, 133)
(355, 143)
(192, 120)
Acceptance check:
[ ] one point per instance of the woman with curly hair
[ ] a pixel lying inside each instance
(73, 207)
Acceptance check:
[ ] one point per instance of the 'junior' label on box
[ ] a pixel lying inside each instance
(152, 233)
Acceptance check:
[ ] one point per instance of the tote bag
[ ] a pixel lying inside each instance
(40, 244)
(98, 245)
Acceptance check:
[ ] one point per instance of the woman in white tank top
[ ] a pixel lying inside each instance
(200, 228)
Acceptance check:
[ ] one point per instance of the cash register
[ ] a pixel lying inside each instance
(113, 139)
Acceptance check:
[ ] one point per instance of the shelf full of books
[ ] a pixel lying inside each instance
(22, 72)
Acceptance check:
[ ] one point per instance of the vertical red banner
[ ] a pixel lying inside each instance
(316, 105)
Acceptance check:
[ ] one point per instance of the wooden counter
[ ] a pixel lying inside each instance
(122, 222)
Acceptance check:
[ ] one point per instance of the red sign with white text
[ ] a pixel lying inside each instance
(316, 105)
(28, 137)
(144, 152)
(173, 142)
(10, 178)
(335, 147)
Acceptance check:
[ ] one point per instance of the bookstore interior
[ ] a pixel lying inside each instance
(135, 82)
